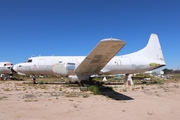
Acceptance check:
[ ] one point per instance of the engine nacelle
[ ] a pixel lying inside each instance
(60, 69)
(75, 78)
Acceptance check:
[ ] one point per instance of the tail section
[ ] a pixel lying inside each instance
(152, 50)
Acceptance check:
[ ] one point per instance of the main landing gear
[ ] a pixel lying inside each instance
(34, 79)
(128, 79)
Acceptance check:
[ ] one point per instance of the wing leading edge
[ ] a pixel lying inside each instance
(104, 51)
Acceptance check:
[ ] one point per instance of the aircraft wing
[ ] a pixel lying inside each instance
(104, 51)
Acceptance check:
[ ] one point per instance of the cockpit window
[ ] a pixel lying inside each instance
(8, 64)
(29, 60)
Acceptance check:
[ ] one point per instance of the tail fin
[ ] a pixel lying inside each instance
(152, 50)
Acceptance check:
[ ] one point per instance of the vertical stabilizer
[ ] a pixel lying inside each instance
(152, 50)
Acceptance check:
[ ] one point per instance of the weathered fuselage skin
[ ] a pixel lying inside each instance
(66, 65)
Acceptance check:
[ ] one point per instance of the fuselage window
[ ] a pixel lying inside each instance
(71, 66)
(60, 61)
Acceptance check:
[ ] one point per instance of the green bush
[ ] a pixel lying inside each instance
(94, 89)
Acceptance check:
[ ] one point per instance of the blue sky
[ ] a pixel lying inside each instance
(73, 27)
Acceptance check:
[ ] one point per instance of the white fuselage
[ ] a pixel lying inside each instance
(117, 65)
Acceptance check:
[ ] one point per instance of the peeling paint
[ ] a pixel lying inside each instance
(154, 64)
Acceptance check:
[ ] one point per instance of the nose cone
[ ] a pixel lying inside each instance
(15, 68)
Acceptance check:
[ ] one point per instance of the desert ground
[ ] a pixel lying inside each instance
(20, 101)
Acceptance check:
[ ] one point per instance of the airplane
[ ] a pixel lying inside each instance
(5, 70)
(101, 60)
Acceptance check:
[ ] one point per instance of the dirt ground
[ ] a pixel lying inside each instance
(20, 101)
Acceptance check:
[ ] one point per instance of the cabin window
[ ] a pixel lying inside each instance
(71, 66)
(20, 65)
(60, 61)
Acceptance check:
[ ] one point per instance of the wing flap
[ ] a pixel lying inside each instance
(104, 51)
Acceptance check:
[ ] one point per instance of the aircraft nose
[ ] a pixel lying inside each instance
(15, 68)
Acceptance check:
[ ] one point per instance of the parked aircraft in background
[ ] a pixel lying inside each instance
(101, 60)
(5, 70)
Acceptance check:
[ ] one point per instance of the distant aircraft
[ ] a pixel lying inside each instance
(5, 70)
(101, 60)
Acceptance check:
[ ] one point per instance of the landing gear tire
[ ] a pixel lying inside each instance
(34, 79)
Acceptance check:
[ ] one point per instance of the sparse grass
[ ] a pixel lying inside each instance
(30, 100)
(123, 110)
(24, 89)
(158, 81)
(124, 90)
(40, 95)
(44, 86)
(18, 89)
(3, 97)
(75, 106)
(107, 97)
(176, 86)
(41, 82)
(153, 81)
(29, 96)
(60, 89)
(7, 89)
(72, 94)
(94, 89)
(85, 95)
